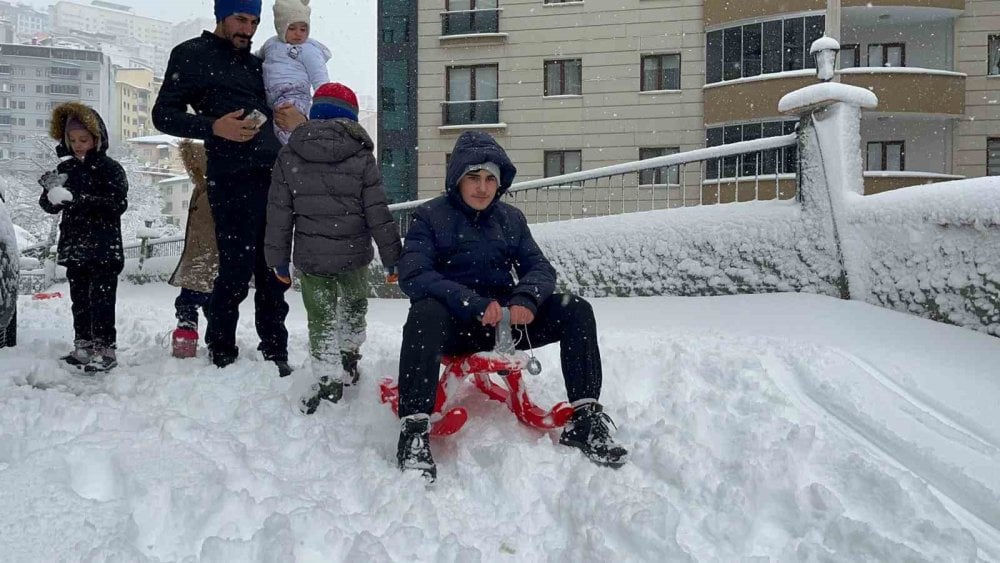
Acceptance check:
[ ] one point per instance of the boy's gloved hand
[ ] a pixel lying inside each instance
(52, 179)
(282, 273)
(391, 275)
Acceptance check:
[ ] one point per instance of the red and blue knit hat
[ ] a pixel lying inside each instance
(333, 100)
(226, 8)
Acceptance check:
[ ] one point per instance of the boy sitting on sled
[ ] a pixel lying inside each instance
(456, 269)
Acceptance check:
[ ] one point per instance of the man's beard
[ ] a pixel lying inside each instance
(241, 36)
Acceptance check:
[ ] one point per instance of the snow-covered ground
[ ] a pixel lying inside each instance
(790, 426)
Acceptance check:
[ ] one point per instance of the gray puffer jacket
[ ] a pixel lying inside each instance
(327, 187)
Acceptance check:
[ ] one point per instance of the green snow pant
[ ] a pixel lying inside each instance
(336, 307)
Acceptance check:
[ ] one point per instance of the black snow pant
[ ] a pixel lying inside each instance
(186, 307)
(93, 289)
(239, 207)
(431, 332)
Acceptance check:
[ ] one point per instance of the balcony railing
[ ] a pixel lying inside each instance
(470, 112)
(617, 189)
(470, 22)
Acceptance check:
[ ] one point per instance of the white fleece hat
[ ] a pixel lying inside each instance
(287, 12)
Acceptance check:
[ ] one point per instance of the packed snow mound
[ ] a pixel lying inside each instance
(783, 426)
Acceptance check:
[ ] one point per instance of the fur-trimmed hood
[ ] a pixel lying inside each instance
(195, 161)
(85, 115)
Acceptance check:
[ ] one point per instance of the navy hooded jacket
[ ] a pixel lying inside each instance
(463, 257)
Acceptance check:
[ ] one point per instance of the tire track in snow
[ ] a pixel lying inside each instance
(972, 503)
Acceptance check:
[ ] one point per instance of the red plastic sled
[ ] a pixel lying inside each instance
(43, 296)
(481, 366)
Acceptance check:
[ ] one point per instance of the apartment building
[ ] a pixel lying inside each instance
(26, 20)
(135, 91)
(131, 30)
(33, 80)
(572, 85)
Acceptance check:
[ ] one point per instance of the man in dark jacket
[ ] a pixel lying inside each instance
(217, 75)
(456, 267)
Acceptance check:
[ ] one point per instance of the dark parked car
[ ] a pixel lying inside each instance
(9, 265)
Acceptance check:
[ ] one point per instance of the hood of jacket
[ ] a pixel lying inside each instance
(85, 115)
(195, 161)
(476, 147)
(329, 140)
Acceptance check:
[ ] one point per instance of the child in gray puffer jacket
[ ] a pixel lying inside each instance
(327, 196)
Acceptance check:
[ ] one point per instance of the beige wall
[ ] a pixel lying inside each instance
(609, 121)
(612, 119)
(982, 94)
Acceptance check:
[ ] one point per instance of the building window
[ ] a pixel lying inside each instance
(663, 175)
(563, 78)
(563, 2)
(558, 163)
(761, 48)
(887, 54)
(993, 56)
(993, 156)
(472, 95)
(464, 17)
(5, 69)
(661, 72)
(850, 55)
(771, 161)
(886, 155)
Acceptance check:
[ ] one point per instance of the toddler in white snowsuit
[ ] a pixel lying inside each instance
(294, 64)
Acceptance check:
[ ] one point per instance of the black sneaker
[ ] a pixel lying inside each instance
(414, 450)
(284, 370)
(349, 361)
(588, 430)
(325, 389)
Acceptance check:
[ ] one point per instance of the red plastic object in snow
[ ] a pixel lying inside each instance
(481, 366)
(44, 296)
(184, 342)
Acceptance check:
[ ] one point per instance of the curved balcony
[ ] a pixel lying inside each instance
(899, 90)
(719, 12)
(751, 99)
(911, 90)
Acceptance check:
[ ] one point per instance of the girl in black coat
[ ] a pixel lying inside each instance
(90, 190)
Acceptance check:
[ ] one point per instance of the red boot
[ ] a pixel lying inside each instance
(185, 342)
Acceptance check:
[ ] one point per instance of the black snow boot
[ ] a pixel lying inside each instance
(284, 370)
(325, 389)
(349, 360)
(414, 450)
(588, 430)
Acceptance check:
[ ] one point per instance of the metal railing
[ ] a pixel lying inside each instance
(470, 112)
(610, 190)
(617, 189)
(470, 22)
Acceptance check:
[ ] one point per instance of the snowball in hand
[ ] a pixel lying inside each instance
(59, 195)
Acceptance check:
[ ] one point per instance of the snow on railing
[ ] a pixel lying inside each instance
(743, 171)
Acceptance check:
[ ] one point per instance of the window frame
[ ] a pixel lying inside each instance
(561, 153)
(856, 48)
(449, 100)
(993, 54)
(560, 64)
(672, 173)
(993, 150)
(884, 155)
(885, 51)
(661, 79)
